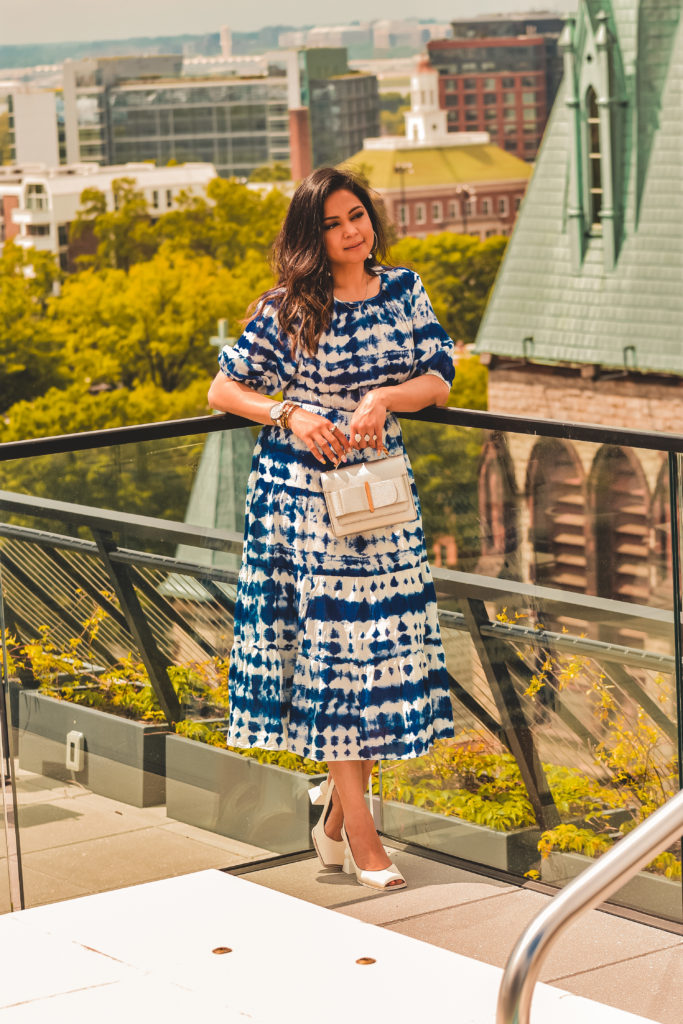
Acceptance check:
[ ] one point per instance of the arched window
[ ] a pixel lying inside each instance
(620, 505)
(662, 571)
(497, 511)
(557, 513)
(594, 160)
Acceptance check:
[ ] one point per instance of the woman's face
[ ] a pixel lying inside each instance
(347, 229)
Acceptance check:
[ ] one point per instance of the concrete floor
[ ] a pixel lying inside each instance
(621, 963)
(75, 843)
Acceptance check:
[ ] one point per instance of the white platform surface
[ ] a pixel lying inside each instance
(145, 953)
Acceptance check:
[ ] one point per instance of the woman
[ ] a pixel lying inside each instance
(337, 653)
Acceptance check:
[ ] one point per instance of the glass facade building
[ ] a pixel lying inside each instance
(236, 125)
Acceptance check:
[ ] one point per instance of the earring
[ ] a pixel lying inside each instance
(375, 243)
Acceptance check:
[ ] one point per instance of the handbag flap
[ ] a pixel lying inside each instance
(375, 494)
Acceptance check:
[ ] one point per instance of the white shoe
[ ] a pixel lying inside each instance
(331, 852)
(387, 879)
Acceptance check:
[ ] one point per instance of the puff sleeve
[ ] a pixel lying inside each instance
(261, 358)
(434, 350)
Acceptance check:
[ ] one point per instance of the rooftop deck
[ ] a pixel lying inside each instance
(76, 843)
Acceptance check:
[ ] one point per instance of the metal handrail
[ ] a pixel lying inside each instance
(593, 886)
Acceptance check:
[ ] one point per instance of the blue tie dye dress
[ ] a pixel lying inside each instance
(337, 653)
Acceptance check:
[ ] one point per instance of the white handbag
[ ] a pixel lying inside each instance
(368, 496)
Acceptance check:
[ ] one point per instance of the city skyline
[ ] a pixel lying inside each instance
(37, 21)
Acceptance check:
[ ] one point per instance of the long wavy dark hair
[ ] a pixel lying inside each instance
(303, 294)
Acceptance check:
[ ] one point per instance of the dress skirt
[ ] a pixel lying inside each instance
(337, 653)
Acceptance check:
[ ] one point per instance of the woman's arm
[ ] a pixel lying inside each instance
(414, 394)
(317, 433)
(370, 413)
(226, 395)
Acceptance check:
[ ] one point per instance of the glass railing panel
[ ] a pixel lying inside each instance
(119, 620)
(558, 630)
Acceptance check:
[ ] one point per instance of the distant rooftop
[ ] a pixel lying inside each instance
(439, 165)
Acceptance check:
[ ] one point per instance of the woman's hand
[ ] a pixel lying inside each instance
(319, 435)
(368, 421)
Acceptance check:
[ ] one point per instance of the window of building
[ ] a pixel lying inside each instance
(402, 214)
(437, 212)
(471, 116)
(420, 213)
(36, 197)
(469, 207)
(453, 211)
(470, 99)
(489, 98)
(503, 205)
(452, 99)
(155, 199)
(529, 97)
(470, 83)
(35, 230)
(508, 83)
(63, 234)
(529, 115)
(510, 115)
(595, 176)
(528, 81)
(511, 145)
(452, 116)
(509, 99)
(489, 83)
(490, 114)
(451, 85)
(518, 202)
(486, 207)
(169, 198)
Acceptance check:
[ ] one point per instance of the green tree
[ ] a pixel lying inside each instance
(458, 272)
(271, 172)
(233, 223)
(445, 462)
(30, 357)
(125, 235)
(4, 138)
(152, 324)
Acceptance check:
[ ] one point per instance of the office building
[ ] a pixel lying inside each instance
(121, 109)
(500, 75)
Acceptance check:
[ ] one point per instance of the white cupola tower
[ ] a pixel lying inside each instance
(425, 122)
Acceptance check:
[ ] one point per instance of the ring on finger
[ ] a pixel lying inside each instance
(357, 438)
(366, 438)
(374, 437)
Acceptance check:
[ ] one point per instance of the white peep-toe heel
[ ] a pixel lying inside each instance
(331, 852)
(386, 880)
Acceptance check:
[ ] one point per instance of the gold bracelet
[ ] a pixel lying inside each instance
(287, 410)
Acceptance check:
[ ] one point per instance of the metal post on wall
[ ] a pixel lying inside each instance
(8, 790)
(675, 505)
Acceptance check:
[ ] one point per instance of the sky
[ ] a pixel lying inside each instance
(46, 21)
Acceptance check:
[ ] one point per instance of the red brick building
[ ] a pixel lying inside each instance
(500, 75)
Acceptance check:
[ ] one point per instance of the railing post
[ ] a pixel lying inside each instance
(7, 780)
(518, 735)
(152, 658)
(675, 512)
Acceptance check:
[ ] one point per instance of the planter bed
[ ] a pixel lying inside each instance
(653, 894)
(515, 852)
(237, 797)
(123, 759)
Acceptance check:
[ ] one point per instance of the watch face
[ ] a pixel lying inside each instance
(276, 411)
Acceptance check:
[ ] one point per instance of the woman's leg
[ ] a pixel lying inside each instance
(335, 815)
(350, 781)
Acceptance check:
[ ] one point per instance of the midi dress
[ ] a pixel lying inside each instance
(337, 653)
